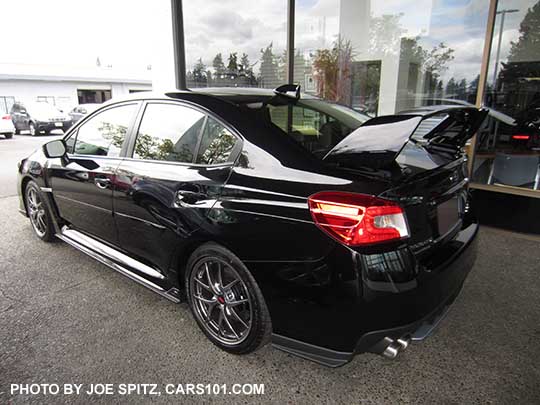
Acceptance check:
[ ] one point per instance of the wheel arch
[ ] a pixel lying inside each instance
(182, 255)
(24, 182)
(48, 200)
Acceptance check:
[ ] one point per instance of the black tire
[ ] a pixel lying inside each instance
(41, 220)
(32, 129)
(17, 132)
(8, 135)
(259, 332)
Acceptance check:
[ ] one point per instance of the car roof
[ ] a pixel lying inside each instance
(236, 95)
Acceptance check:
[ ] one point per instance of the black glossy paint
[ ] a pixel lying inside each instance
(318, 291)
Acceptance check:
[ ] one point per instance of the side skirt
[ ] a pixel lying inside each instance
(118, 261)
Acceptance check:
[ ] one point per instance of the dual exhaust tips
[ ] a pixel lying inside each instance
(396, 346)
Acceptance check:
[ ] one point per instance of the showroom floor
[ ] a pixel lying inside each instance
(65, 318)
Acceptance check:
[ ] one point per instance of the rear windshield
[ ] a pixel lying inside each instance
(315, 124)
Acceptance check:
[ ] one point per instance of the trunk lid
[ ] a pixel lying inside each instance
(434, 194)
(419, 154)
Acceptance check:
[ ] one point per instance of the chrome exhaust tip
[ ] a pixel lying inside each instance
(392, 350)
(396, 346)
(404, 342)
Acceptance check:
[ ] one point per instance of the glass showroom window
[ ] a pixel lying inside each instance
(508, 147)
(235, 43)
(382, 57)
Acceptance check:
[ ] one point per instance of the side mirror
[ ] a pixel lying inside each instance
(55, 149)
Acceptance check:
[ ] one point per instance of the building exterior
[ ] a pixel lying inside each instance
(386, 57)
(66, 87)
(378, 57)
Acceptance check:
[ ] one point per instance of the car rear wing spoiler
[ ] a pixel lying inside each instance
(379, 141)
(288, 90)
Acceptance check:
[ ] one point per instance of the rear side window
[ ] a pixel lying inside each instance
(168, 132)
(103, 134)
(316, 125)
(315, 131)
(217, 144)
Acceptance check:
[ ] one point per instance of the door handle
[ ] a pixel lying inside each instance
(185, 197)
(102, 182)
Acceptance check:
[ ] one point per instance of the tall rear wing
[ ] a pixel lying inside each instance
(379, 141)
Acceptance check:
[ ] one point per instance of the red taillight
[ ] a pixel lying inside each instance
(521, 137)
(358, 219)
(6, 117)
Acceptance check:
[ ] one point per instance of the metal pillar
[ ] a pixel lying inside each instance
(178, 44)
(498, 54)
(471, 151)
(290, 40)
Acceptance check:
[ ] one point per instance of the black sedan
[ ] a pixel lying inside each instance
(276, 217)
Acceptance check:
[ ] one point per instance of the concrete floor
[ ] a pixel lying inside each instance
(65, 318)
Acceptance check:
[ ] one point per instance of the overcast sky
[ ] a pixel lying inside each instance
(120, 32)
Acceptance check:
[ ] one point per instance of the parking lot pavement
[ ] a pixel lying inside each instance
(65, 318)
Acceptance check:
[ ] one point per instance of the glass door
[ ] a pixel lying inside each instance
(508, 146)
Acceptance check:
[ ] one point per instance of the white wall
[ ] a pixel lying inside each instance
(28, 91)
(163, 76)
(65, 92)
(354, 26)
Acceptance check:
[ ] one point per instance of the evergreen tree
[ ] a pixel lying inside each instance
(269, 70)
(527, 47)
(439, 89)
(246, 68)
(451, 87)
(461, 89)
(473, 86)
(232, 67)
(218, 65)
(517, 94)
(199, 72)
(244, 63)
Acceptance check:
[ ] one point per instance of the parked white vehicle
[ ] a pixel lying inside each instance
(6, 126)
(38, 117)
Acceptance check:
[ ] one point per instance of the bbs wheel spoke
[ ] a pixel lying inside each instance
(205, 300)
(228, 322)
(220, 322)
(220, 276)
(228, 286)
(237, 302)
(210, 282)
(206, 287)
(235, 314)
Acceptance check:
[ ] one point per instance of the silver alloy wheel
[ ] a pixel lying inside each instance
(32, 129)
(221, 301)
(36, 211)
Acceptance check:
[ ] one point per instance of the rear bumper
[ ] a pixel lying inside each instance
(373, 342)
(377, 341)
(371, 321)
(6, 127)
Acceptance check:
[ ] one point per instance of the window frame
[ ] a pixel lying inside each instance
(186, 104)
(74, 131)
